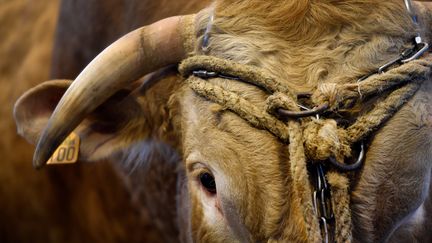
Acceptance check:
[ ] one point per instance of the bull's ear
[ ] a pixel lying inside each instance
(33, 108)
(112, 126)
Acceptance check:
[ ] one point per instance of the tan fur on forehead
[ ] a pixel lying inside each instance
(308, 42)
(292, 19)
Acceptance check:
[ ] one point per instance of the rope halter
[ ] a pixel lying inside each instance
(312, 135)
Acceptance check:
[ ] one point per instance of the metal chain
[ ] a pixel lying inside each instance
(322, 203)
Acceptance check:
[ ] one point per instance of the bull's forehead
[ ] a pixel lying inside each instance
(251, 166)
(308, 42)
(225, 140)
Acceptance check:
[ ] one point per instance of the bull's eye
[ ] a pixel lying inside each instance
(208, 182)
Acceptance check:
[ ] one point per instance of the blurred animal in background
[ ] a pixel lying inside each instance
(47, 39)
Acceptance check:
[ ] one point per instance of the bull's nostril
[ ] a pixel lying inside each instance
(208, 182)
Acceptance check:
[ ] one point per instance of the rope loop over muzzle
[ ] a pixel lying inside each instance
(311, 134)
(323, 139)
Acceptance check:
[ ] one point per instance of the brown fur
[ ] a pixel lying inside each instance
(304, 43)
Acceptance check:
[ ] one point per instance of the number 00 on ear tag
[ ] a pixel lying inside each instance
(67, 152)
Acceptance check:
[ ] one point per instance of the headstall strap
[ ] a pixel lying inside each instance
(206, 37)
(283, 110)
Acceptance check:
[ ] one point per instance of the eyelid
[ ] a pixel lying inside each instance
(195, 164)
(193, 161)
(198, 168)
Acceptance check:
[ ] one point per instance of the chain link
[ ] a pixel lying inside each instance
(322, 203)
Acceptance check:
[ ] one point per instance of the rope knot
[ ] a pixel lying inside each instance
(327, 93)
(280, 100)
(323, 139)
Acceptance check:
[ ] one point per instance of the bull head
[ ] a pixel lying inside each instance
(238, 177)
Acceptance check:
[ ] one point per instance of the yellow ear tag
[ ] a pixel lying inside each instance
(67, 152)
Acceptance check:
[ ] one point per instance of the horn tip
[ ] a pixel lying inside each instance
(43, 152)
(38, 161)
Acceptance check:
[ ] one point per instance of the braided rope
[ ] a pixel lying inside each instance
(240, 106)
(336, 95)
(312, 139)
(246, 73)
(384, 110)
(302, 188)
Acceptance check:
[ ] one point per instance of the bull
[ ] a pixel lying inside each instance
(237, 182)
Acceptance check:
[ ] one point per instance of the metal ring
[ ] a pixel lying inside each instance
(299, 114)
(350, 167)
(324, 225)
(410, 10)
(206, 38)
(423, 47)
(384, 67)
(315, 203)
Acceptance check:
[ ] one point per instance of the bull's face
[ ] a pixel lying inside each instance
(238, 176)
(239, 184)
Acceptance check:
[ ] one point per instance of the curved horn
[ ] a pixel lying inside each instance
(126, 60)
